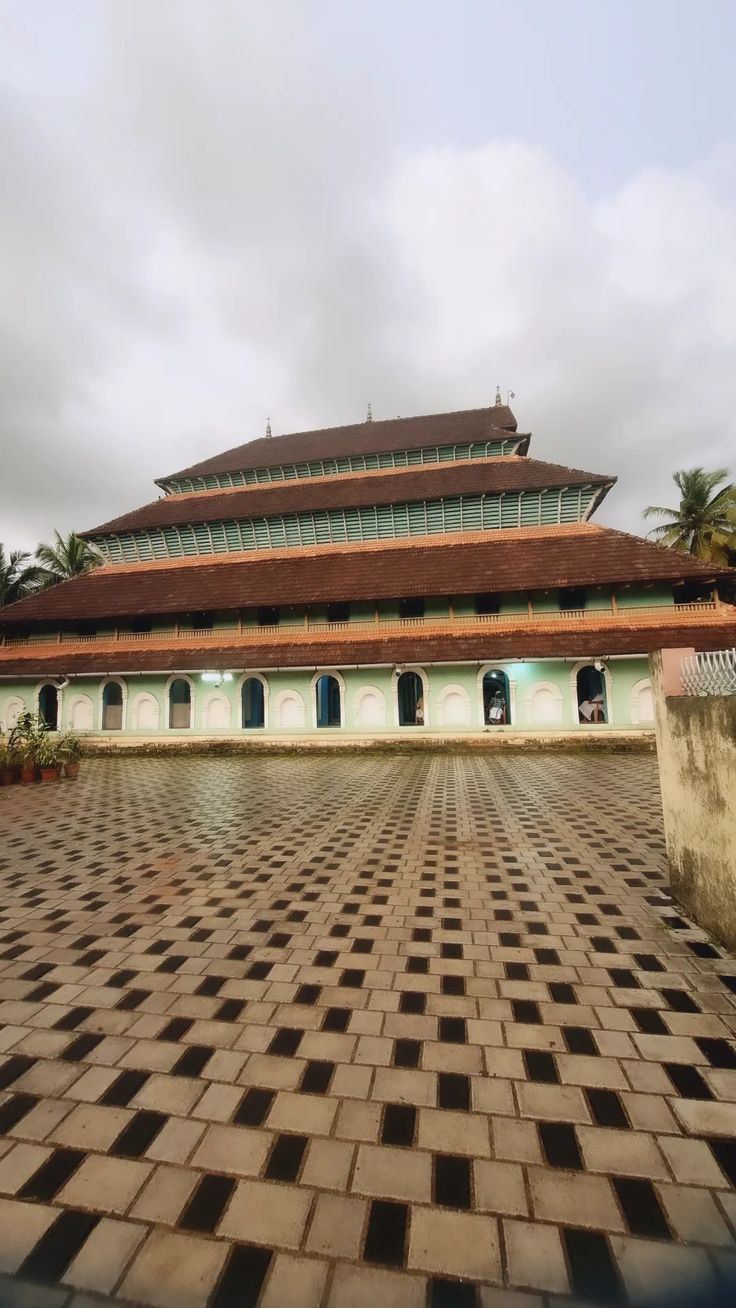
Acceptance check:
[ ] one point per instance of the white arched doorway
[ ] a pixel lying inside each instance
(544, 705)
(145, 712)
(14, 706)
(369, 709)
(411, 697)
(641, 702)
(180, 698)
(328, 698)
(289, 712)
(494, 681)
(113, 703)
(81, 713)
(49, 700)
(253, 701)
(591, 692)
(216, 711)
(453, 707)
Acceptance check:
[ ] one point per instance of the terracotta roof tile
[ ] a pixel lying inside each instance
(463, 425)
(500, 561)
(538, 641)
(435, 481)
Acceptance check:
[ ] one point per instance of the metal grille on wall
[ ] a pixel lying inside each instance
(710, 673)
(338, 526)
(347, 463)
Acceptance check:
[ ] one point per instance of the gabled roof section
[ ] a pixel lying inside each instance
(517, 559)
(435, 481)
(495, 422)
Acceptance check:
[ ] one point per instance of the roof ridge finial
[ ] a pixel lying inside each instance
(369, 414)
(498, 395)
(269, 433)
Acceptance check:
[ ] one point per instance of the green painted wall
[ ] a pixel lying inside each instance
(536, 688)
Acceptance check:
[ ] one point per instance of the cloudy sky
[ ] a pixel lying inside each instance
(213, 211)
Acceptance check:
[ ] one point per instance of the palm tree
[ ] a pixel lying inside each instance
(67, 557)
(704, 524)
(18, 575)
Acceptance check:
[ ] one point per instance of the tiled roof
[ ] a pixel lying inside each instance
(432, 482)
(533, 559)
(522, 643)
(494, 422)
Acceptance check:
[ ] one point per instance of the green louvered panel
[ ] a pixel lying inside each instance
(159, 547)
(368, 523)
(276, 533)
(531, 509)
(452, 513)
(337, 523)
(384, 522)
(434, 517)
(427, 454)
(472, 513)
(219, 537)
(417, 519)
(510, 509)
(321, 527)
(401, 520)
(233, 539)
(202, 538)
(491, 512)
(260, 529)
(549, 510)
(373, 522)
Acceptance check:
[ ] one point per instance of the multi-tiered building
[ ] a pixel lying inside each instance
(416, 574)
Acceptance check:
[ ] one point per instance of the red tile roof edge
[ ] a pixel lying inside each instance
(530, 559)
(483, 647)
(378, 436)
(498, 475)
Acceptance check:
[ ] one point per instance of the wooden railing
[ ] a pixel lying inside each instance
(364, 626)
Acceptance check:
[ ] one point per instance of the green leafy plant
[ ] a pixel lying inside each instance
(70, 747)
(25, 736)
(46, 751)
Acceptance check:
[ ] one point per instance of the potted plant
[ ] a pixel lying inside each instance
(26, 734)
(8, 761)
(70, 749)
(47, 756)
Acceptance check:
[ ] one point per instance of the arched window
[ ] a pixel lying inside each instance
(496, 699)
(112, 706)
(252, 703)
(180, 703)
(327, 692)
(48, 706)
(410, 692)
(591, 694)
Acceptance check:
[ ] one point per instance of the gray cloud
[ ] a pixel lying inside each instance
(209, 216)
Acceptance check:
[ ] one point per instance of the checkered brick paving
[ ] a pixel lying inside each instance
(417, 1031)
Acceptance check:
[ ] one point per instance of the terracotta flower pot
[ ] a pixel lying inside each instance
(50, 774)
(71, 769)
(9, 776)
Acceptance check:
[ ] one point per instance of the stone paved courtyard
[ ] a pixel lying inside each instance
(417, 1031)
